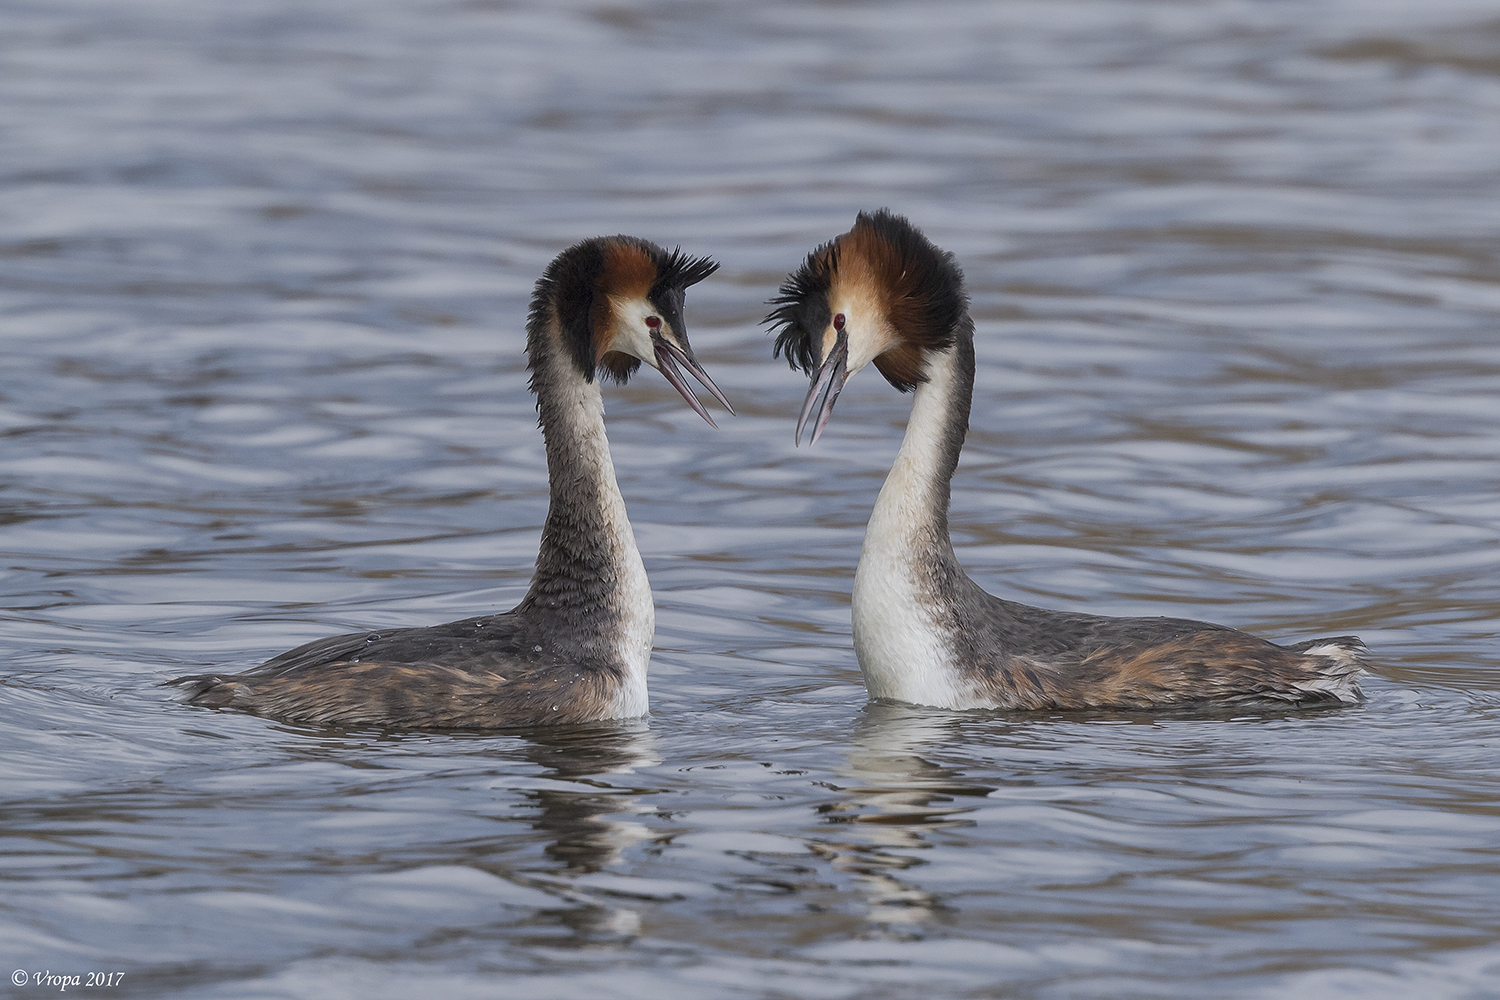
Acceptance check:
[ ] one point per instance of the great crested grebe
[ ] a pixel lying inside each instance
(924, 632)
(575, 649)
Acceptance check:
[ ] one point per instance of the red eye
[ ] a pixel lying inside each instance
(653, 321)
(838, 321)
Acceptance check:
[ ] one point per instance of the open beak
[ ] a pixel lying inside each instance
(668, 357)
(828, 381)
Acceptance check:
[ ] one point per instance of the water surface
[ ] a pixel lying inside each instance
(263, 273)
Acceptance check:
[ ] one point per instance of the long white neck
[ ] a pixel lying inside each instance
(589, 575)
(902, 620)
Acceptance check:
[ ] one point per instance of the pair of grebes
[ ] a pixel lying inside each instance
(576, 648)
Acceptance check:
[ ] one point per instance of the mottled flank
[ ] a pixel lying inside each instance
(486, 672)
(1020, 657)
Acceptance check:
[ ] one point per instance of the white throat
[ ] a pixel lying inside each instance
(900, 633)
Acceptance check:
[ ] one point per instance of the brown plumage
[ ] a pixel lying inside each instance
(575, 649)
(926, 633)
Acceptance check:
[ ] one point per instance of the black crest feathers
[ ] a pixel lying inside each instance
(678, 270)
(802, 310)
(568, 291)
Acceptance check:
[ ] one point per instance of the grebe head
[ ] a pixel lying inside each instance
(617, 302)
(881, 292)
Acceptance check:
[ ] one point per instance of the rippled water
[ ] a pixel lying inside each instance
(263, 270)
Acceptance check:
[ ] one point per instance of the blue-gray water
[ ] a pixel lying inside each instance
(263, 271)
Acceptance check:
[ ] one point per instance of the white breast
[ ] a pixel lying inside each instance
(632, 592)
(903, 650)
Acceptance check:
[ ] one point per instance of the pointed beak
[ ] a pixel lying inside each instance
(828, 381)
(668, 357)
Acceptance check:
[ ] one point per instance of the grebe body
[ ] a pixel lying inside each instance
(924, 632)
(577, 646)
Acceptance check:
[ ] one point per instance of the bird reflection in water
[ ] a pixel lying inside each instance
(895, 801)
(583, 788)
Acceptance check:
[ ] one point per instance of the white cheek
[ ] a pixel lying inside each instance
(631, 333)
(869, 336)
